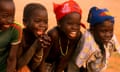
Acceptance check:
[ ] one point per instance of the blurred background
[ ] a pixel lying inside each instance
(111, 5)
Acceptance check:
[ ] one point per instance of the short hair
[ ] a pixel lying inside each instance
(29, 8)
(6, 0)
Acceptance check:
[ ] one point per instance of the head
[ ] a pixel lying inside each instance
(101, 24)
(35, 18)
(7, 13)
(68, 17)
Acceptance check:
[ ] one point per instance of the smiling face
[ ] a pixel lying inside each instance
(7, 12)
(104, 32)
(38, 22)
(70, 25)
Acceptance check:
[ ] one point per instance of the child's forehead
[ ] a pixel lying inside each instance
(105, 24)
(72, 15)
(4, 5)
(39, 12)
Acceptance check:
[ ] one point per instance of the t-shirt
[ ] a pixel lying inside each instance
(11, 36)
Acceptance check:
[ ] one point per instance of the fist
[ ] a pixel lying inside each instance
(45, 41)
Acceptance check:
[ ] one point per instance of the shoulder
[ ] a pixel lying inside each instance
(87, 35)
(16, 26)
(53, 33)
(16, 33)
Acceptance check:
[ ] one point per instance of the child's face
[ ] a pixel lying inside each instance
(7, 12)
(70, 25)
(39, 22)
(104, 32)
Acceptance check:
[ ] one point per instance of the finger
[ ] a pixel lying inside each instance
(46, 42)
(44, 46)
(46, 37)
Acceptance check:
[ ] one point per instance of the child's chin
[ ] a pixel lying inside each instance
(72, 37)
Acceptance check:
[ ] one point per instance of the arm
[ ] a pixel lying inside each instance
(38, 58)
(87, 48)
(25, 58)
(116, 43)
(11, 61)
(16, 36)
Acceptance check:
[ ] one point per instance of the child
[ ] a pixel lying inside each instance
(10, 36)
(35, 19)
(65, 35)
(99, 41)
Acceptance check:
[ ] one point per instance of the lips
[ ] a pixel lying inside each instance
(106, 41)
(73, 34)
(6, 25)
(40, 32)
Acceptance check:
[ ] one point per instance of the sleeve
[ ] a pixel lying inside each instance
(86, 51)
(16, 34)
(116, 43)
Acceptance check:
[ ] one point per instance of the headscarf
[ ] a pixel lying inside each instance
(97, 15)
(65, 8)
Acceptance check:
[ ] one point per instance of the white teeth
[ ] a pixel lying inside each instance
(73, 34)
(39, 32)
(6, 26)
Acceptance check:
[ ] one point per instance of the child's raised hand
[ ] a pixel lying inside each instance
(45, 41)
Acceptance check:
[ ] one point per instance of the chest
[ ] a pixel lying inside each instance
(5, 38)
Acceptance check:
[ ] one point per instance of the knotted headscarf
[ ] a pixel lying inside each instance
(65, 8)
(97, 15)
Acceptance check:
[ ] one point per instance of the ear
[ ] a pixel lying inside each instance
(25, 22)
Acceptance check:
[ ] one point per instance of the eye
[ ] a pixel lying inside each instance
(5, 15)
(111, 31)
(37, 20)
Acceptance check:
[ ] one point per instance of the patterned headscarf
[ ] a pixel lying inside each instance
(97, 15)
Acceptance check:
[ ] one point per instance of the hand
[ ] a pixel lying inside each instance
(45, 41)
(24, 69)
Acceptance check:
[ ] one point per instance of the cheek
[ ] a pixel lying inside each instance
(66, 29)
(101, 35)
(2, 20)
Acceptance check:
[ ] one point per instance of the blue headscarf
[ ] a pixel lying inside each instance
(97, 15)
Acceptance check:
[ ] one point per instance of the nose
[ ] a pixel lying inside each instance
(42, 25)
(75, 26)
(108, 35)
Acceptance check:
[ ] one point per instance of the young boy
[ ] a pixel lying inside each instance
(10, 36)
(35, 19)
(65, 36)
(99, 41)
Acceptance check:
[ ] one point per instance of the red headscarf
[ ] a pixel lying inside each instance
(65, 8)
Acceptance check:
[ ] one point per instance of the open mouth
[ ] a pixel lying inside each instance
(106, 41)
(6, 25)
(39, 32)
(73, 34)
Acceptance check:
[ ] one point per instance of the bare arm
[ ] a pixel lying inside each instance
(25, 58)
(11, 61)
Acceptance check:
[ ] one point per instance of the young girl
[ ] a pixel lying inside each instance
(10, 36)
(99, 41)
(30, 55)
(65, 36)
